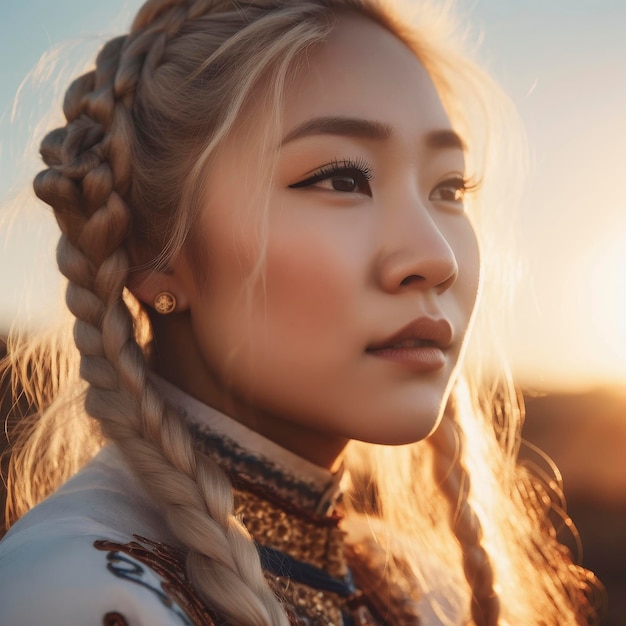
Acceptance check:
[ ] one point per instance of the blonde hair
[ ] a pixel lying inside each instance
(141, 129)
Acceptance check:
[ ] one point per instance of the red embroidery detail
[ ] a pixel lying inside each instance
(167, 563)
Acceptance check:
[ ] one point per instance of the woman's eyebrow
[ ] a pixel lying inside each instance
(346, 126)
(443, 140)
(368, 129)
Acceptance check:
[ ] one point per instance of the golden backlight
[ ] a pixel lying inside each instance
(577, 323)
(608, 306)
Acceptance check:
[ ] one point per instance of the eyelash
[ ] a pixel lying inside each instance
(357, 169)
(464, 185)
(361, 172)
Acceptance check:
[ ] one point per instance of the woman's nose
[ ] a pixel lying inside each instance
(416, 254)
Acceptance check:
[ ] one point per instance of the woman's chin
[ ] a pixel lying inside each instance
(390, 432)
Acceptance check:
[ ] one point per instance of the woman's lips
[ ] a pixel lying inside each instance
(420, 345)
(423, 359)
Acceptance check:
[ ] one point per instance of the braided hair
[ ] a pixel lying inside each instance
(99, 198)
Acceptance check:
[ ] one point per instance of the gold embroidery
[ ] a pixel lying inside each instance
(314, 540)
(307, 606)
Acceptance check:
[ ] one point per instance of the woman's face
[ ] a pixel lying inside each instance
(355, 326)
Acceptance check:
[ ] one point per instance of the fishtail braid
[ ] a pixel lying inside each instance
(454, 482)
(88, 176)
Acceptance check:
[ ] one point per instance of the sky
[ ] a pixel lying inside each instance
(562, 62)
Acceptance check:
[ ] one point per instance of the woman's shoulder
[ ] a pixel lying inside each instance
(80, 558)
(103, 498)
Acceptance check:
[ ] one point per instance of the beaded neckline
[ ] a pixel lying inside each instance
(253, 461)
(292, 510)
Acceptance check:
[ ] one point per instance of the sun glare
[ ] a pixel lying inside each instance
(608, 305)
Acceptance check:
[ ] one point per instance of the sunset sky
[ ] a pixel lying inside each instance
(563, 62)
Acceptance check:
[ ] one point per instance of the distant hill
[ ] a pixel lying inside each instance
(585, 435)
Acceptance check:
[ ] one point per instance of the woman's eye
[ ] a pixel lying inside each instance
(451, 190)
(349, 182)
(343, 177)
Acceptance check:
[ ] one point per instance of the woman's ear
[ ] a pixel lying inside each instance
(154, 287)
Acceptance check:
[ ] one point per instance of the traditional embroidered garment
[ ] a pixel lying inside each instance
(97, 551)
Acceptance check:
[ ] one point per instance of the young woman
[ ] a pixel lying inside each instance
(270, 227)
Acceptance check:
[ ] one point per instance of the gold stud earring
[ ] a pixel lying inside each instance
(165, 303)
